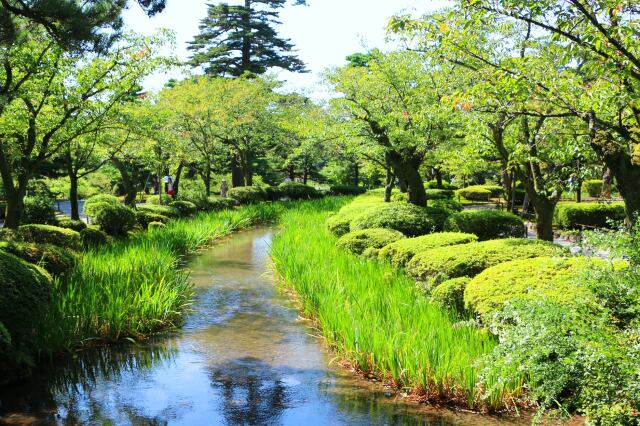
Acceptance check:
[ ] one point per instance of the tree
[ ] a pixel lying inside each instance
(234, 40)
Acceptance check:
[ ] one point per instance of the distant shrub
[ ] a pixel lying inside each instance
(440, 264)
(55, 260)
(215, 203)
(450, 294)
(346, 190)
(439, 194)
(593, 187)
(38, 210)
(452, 205)
(475, 193)
(49, 234)
(167, 211)
(92, 238)
(486, 224)
(359, 241)
(76, 225)
(144, 218)
(401, 252)
(298, 191)
(186, 208)
(248, 194)
(115, 219)
(433, 184)
(95, 203)
(155, 200)
(598, 215)
(156, 225)
(407, 218)
(530, 279)
(495, 190)
(340, 223)
(274, 193)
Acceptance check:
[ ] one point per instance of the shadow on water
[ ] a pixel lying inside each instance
(243, 358)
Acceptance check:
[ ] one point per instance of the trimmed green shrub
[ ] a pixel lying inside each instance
(486, 224)
(474, 193)
(438, 216)
(115, 219)
(346, 190)
(55, 260)
(340, 223)
(144, 218)
(95, 203)
(92, 238)
(274, 193)
(440, 264)
(598, 215)
(359, 241)
(67, 222)
(49, 234)
(167, 211)
(298, 191)
(25, 296)
(155, 200)
(495, 190)
(527, 279)
(407, 218)
(248, 194)
(186, 208)
(452, 205)
(38, 210)
(439, 194)
(593, 187)
(433, 184)
(216, 203)
(450, 294)
(156, 225)
(401, 252)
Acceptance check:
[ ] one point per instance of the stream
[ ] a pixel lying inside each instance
(244, 357)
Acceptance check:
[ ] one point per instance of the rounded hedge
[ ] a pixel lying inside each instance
(407, 218)
(215, 203)
(55, 260)
(452, 205)
(297, 191)
(95, 203)
(346, 190)
(155, 200)
(92, 238)
(67, 222)
(144, 218)
(38, 210)
(167, 211)
(596, 215)
(248, 194)
(593, 187)
(359, 241)
(186, 208)
(520, 279)
(401, 252)
(115, 219)
(49, 234)
(475, 193)
(340, 223)
(438, 216)
(486, 224)
(439, 194)
(440, 264)
(450, 294)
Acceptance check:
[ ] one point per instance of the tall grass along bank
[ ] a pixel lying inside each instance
(372, 315)
(137, 286)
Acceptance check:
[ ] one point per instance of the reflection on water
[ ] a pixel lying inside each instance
(244, 357)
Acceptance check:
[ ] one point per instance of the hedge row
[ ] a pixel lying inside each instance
(401, 252)
(369, 240)
(598, 215)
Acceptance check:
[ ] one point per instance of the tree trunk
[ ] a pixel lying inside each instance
(245, 164)
(237, 178)
(246, 37)
(291, 172)
(544, 218)
(402, 184)
(176, 182)
(356, 173)
(389, 183)
(73, 196)
(15, 207)
(607, 181)
(407, 171)
(305, 176)
(438, 175)
(129, 186)
(206, 178)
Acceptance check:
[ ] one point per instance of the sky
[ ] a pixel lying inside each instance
(324, 32)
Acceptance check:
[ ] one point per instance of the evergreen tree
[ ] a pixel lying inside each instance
(238, 39)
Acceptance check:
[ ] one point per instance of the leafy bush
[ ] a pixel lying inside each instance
(155, 200)
(144, 218)
(248, 194)
(359, 241)
(186, 208)
(593, 187)
(156, 225)
(440, 264)
(439, 194)
(167, 211)
(298, 191)
(438, 215)
(215, 203)
(115, 219)
(49, 234)
(474, 193)
(407, 218)
(597, 215)
(76, 225)
(346, 190)
(92, 238)
(95, 203)
(340, 223)
(401, 252)
(496, 190)
(55, 260)
(450, 294)
(452, 205)
(553, 278)
(274, 193)
(400, 197)
(38, 210)
(25, 295)
(433, 184)
(486, 224)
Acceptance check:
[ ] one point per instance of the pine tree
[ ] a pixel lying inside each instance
(238, 39)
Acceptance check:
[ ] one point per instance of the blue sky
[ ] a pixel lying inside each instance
(324, 32)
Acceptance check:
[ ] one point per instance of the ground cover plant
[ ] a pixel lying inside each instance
(373, 315)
